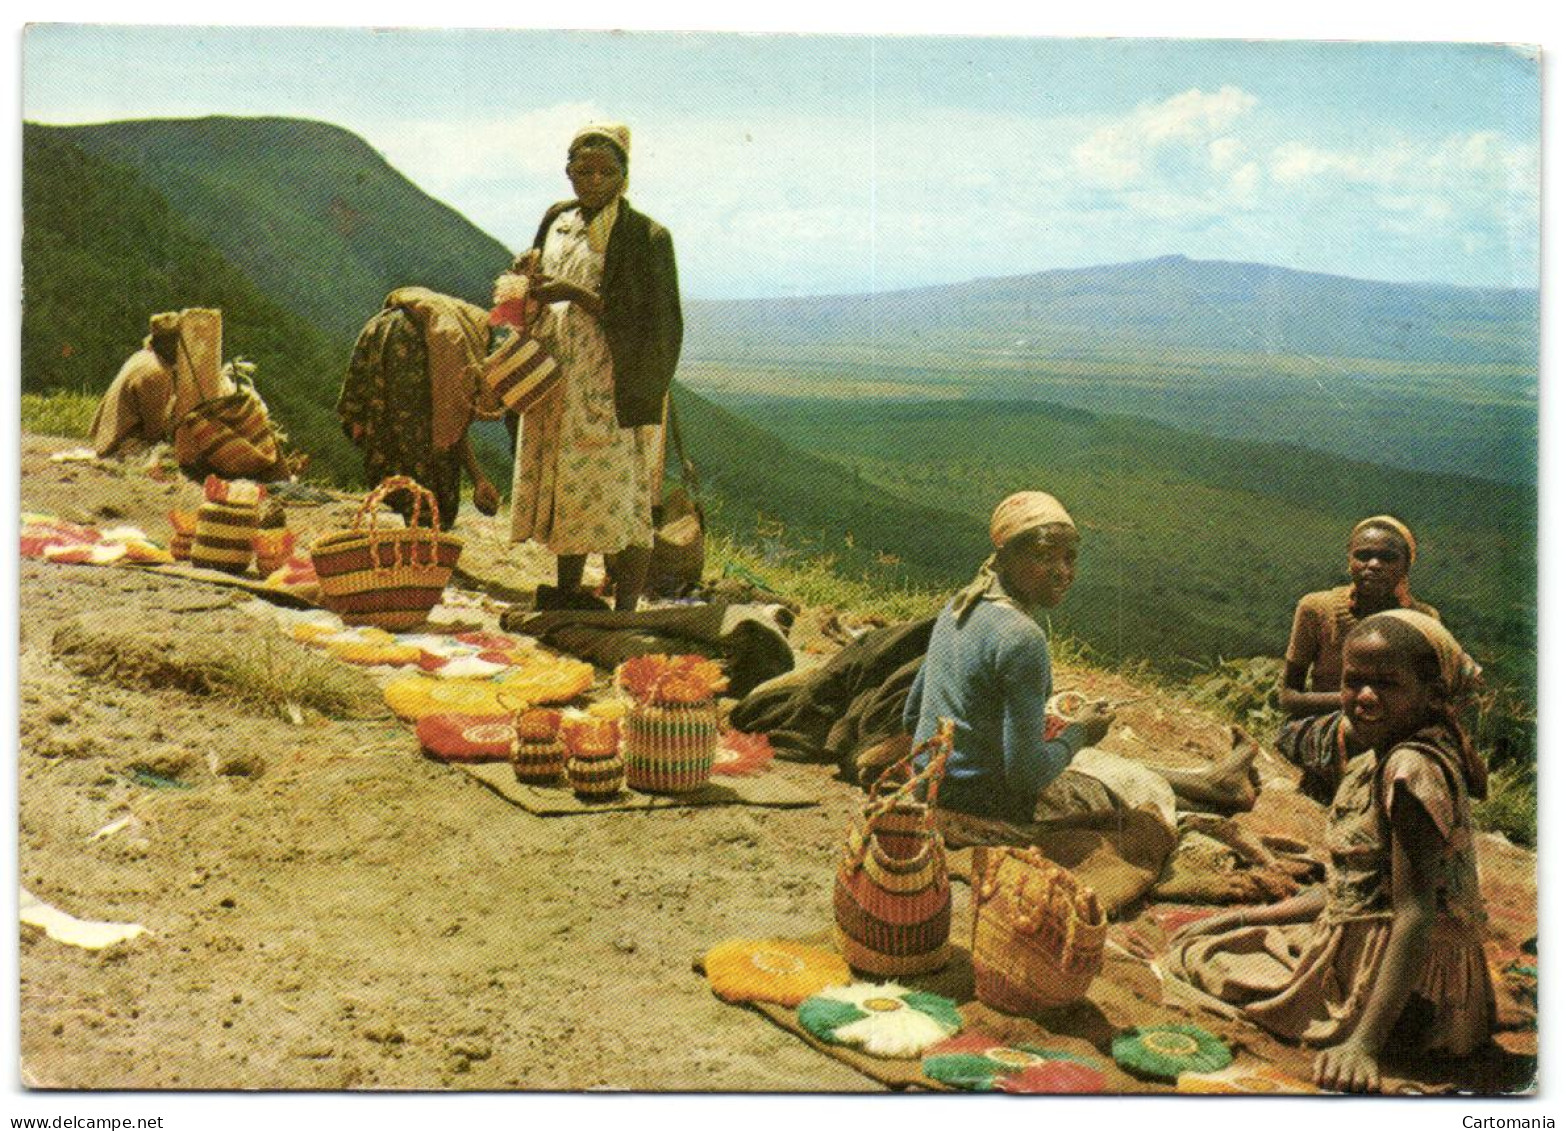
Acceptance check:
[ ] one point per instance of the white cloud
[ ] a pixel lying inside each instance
(1121, 152)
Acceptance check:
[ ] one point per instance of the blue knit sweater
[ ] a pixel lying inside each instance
(992, 677)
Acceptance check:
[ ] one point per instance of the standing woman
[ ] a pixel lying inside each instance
(589, 456)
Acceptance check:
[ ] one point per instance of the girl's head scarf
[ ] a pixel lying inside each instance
(1459, 681)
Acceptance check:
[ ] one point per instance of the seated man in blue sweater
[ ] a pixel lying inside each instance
(988, 669)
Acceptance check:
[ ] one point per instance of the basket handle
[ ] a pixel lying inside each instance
(423, 504)
(939, 745)
(1029, 920)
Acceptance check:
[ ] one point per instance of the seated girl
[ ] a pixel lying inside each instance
(988, 669)
(1380, 552)
(1387, 956)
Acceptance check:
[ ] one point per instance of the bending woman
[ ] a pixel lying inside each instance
(1388, 955)
(410, 395)
(1380, 552)
(589, 456)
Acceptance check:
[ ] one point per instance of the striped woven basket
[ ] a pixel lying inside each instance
(893, 901)
(387, 577)
(596, 778)
(224, 536)
(539, 763)
(670, 748)
(1038, 932)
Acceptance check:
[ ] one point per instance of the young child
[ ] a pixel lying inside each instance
(1387, 956)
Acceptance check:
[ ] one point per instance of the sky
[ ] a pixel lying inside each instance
(818, 164)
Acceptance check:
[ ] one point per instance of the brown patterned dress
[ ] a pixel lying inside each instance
(1312, 982)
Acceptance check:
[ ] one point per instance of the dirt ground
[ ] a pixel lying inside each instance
(327, 909)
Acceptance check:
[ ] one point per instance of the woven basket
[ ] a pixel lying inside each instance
(520, 373)
(387, 577)
(539, 763)
(273, 549)
(670, 748)
(1038, 932)
(223, 538)
(892, 901)
(596, 778)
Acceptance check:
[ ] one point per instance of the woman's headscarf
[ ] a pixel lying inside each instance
(1459, 676)
(1403, 592)
(1016, 514)
(618, 135)
(456, 335)
(1397, 526)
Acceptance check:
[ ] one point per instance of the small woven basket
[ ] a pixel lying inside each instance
(670, 748)
(223, 537)
(387, 577)
(539, 763)
(1038, 932)
(596, 777)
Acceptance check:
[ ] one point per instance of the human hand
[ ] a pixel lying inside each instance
(486, 498)
(549, 290)
(1095, 719)
(1349, 1067)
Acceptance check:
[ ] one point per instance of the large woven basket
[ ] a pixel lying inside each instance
(892, 900)
(670, 748)
(1038, 932)
(388, 577)
(224, 536)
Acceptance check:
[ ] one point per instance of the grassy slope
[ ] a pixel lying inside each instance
(309, 211)
(1193, 548)
(101, 250)
(788, 500)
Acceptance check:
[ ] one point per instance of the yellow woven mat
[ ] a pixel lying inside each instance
(768, 791)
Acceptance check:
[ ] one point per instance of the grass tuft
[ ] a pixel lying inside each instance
(59, 414)
(256, 669)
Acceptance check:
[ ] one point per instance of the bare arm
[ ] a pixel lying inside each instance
(1296, 702)
(1302, 908)
(485, 497)
(1352, 1066)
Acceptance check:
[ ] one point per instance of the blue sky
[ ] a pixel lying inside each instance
(811, 164)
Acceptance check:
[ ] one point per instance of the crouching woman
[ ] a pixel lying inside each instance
(1387, 957)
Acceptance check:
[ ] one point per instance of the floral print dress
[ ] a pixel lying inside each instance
(583, 484)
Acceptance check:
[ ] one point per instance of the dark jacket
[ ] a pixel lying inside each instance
(641, 317)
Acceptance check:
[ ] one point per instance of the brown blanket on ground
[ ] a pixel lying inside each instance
(744, 637)
(852, 701)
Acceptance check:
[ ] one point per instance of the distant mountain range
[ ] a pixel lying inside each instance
(1431, 377)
